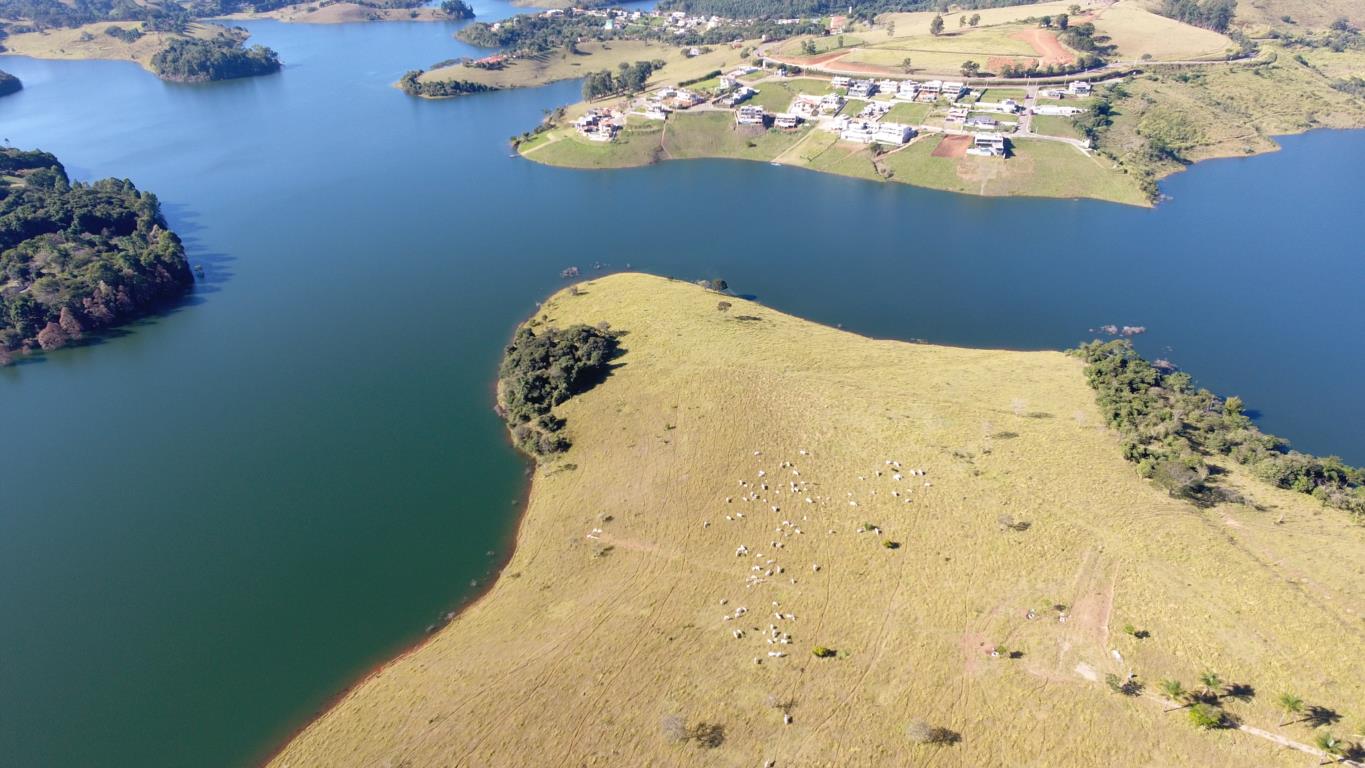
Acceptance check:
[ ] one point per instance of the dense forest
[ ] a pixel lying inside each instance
(77, 257)
(628, 78)
(538, 34)
(170, 17)
(788, 9)
(9, 83)
(1210, 14)
(540, 371)
(1168, 427)
(457, 9)
(438, 89)
(195, 60)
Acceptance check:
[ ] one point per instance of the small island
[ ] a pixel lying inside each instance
(754, 540)
(77, 258)
(9, 83)
(1072, 100)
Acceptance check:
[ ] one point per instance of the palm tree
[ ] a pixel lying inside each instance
(1212, 683)
(1334, 748)
(1176, 693)
(1291, 704)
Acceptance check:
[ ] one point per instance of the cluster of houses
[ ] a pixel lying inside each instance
(906, 90)
(864, 131)
(600, 124)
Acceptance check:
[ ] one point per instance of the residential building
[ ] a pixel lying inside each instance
(1079, 88)
(750, 115)
(786, 120)
(839, 82)
(987, 145)
(893, 133)
(862, 89)
(957, 115)
(859, 131)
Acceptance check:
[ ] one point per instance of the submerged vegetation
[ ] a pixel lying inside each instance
(540, 371)
(1168, 427)
(77, 257)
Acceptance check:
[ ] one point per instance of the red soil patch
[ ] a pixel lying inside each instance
(952, 146)
(1046, 44)
(998, 63)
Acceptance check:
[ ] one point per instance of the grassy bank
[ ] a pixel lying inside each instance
(604, 641)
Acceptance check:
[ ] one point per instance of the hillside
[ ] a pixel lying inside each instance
(1010, 522)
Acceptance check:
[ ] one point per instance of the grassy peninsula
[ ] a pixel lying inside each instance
(773, 542)
(76, 258)
(191, 53)
(1082, 100)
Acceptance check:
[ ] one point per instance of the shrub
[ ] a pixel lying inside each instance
(921, 732)
(821, 652)
(1204, 715)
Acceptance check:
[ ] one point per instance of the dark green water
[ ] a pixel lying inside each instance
(211, 524)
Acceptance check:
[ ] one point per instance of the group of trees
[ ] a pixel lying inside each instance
(1210, 14)
(1167, 426)
(629, 78)
(542, 370)
(412, 85)
(196, 60)
(77, 257)
(457, 9)
(56, 13)
(1083, 62)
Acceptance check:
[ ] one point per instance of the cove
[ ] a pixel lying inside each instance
(214, 522)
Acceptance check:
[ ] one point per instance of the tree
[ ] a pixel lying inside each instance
(905, 64)
(1075, 10)
(1173, 690)
(1291, 704)
(1333, 747)
(970, 68)
(974, 20)
(1046, 21)
(961, 22)
(1211, 683)
(70, 323)
(1063, 21)
(52, 337)
(936, 26)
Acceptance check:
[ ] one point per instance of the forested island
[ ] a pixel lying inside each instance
(75, 257)
(224, 57)
(9, 83)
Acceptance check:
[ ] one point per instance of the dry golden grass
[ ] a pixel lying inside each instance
(584, 646)
(1138, 32)
(341, 13)
(68, 43)
(594, 57)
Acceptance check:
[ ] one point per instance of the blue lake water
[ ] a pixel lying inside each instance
(213, 523)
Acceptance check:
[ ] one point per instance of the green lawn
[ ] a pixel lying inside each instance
(852, 107)
(714, 134)
(906, 112)
(1000, 94)
(638, 144)
(1036, 169)
(1052, 125)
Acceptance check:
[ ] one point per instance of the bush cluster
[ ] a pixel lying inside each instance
(1168, 426)
(540, 371)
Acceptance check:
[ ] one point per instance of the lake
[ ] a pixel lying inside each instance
(214, 522)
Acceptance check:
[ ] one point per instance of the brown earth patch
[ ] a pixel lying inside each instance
(998, 63)
(1049, 48)
(952, 146)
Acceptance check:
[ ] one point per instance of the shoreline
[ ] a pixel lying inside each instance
(405, 649)
(470, 678)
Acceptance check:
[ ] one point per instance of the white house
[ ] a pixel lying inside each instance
(988, 145)
(862, 89)
(860, 132)
(1079, 88)
(786, 120)
(1056, 110)
(839, 81)
(893, 133)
